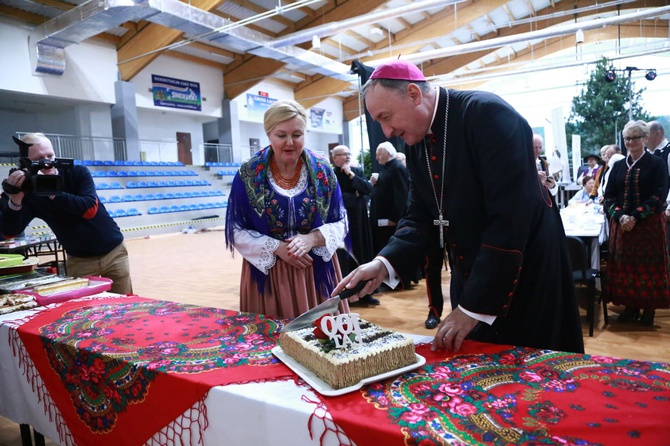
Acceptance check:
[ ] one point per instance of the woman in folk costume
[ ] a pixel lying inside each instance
(637, 266)
(286, 218)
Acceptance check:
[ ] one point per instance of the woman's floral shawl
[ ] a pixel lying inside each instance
(252, 205)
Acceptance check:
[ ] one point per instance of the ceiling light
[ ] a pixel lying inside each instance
(376, 31)
(579, 36)
(651, 75)
(610, 75)
(316, 42)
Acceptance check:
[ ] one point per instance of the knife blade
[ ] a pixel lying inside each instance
(328, 307)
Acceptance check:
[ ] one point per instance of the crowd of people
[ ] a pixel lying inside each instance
(453, 198)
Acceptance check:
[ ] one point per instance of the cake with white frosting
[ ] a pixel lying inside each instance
(380, 351)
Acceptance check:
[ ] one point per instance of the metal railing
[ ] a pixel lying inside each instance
(86, 147)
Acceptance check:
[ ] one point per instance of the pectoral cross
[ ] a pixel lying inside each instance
(442, 224)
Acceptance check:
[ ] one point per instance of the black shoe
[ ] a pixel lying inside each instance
(432, 321)
(365, 301)
(647, 318)
(629, 315)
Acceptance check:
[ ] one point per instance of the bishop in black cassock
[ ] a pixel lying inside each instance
(510, 258)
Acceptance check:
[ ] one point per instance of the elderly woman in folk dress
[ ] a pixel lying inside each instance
(286, 217)
(637, 266)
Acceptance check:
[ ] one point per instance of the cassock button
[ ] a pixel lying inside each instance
(510, 294)
(460, 257)
(436, 176)
(505, 307)
(433, 140)
(434, 158)
(515, 282)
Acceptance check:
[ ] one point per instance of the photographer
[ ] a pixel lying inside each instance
(91, 238)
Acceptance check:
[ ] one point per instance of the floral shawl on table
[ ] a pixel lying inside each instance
(251, 206)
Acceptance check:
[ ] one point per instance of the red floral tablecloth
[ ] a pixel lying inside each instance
(116, 370)
(500, 395)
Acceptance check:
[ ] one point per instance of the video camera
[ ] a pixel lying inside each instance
(37, 184)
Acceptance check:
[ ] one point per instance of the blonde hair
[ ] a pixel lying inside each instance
(34, 138)
(281, 111)
(640, 126)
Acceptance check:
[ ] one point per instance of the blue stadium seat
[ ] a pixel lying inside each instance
(114, 199)
(152, 210)
(159, 197)
(116, 185)
(149, 197)
(161, 184)
(192, 207)
(131, 173)
(171, 184)
(174, 208)
(133, 212)
(102, 186)
(103, 200)
(138, 197)
(122, 173)
(111, 213)
(188, 183)
(98, 163)
(187, 194)
(152, 184)
(178, 195)
(131, 185)
(169, 196)
(86, 162)
(120, 213)
(98, 173)
(208, 164)
(183, 208)
(142, 184)
(209, 205)
(180, 183)
(118, 163)
(201, 205)
(127, 197)
(108, 163)
(163, 209)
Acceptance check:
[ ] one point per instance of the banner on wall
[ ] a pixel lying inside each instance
(176, 93)
(321, 119)
(256, 106)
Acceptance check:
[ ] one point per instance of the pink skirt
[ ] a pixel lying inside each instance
(290, 293)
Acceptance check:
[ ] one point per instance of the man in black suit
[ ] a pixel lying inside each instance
(356, 191)
(389, 195)
(658, 144)
(475, 188)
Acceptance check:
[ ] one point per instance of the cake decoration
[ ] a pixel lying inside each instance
(343, 330)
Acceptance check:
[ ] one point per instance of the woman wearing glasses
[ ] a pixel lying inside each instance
(637, 267)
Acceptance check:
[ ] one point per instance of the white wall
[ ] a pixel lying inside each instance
(90, 68)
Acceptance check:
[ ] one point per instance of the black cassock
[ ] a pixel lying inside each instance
(355, 196)
(510, 256)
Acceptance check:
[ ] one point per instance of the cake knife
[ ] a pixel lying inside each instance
(328, 307)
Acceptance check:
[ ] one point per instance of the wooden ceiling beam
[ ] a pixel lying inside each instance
(140, 50)
(236, 79)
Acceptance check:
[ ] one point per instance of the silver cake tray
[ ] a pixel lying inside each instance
(324, 388)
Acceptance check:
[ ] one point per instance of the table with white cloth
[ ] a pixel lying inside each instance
(483, 394)
(581, 221)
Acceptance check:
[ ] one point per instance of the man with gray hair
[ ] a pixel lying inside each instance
(91, 238)
(389, 195)
(658, 144)
(475, 190)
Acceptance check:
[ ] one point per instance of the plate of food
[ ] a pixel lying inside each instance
(325, 389)
(10, 303)
(26, 266)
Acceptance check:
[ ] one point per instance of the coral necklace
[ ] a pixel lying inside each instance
(285, 183)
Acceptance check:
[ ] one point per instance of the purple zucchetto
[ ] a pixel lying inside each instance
(401, 70)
